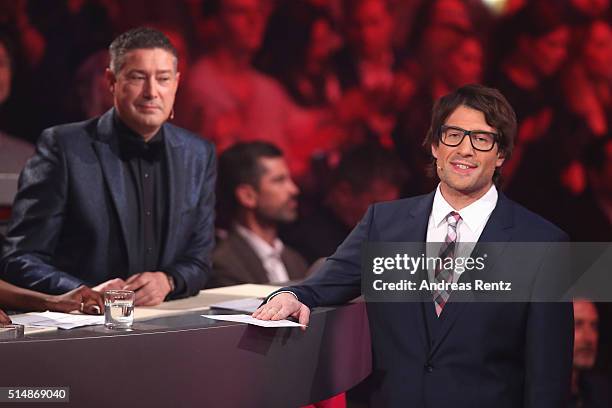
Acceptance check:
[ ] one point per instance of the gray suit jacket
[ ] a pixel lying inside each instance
(235, 262)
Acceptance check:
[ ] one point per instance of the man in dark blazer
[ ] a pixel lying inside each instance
(440, 352)
(236, 262)
(123, 201)
(255, 195)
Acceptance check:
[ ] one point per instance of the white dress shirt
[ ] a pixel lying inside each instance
(270, 255)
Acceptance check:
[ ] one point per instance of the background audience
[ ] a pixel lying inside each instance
(318, 77)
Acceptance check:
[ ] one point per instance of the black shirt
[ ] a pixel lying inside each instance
(146, 184)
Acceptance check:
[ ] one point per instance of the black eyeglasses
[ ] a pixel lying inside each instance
(480, 139)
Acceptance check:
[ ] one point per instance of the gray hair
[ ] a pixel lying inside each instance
(138, 38)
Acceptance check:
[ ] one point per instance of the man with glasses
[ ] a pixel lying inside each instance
(438, 352)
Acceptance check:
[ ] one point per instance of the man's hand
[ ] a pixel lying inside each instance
(282, 306)
(113, 284)
(151, 287)
(4, 319)
(82, 298)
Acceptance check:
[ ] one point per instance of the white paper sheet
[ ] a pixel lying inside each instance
(56, 319)
(248, 305)
(241, 318)
(245, 290)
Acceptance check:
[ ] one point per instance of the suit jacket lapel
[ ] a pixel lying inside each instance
(418, 223)
(499, 226)
(497, 229)
(419, 219)
(107, 149)
(253, 268)
(176, 178)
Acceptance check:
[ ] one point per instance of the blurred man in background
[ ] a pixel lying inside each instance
(589, 390)
(256, 195)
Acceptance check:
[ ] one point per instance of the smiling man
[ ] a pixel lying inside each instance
(440, 352)
(123, 201)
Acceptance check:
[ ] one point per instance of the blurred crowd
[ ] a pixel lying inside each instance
(318, 78)
(344, 90)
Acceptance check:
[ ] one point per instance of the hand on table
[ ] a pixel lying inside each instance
(4, 319)
(82, 298)
(282, 306)
(151, 288)
(113, 284)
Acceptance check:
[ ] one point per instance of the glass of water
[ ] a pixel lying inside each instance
(119, 309)
(11, 331)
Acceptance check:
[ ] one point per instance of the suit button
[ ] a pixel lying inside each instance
(429, 368)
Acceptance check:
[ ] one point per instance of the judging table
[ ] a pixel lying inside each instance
(174, 357)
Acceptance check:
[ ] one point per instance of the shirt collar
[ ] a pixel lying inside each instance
(474, 215)
(259, 245)
(132, 144)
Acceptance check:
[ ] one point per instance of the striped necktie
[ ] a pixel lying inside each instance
(447, 250)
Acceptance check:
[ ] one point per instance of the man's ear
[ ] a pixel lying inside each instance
(434, 151)
(111, 79)
(246, 195)
(501, 157)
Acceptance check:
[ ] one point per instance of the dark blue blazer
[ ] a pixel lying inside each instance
(69, 221)
(476, 354)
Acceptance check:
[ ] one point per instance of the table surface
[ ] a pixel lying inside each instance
(178, 358)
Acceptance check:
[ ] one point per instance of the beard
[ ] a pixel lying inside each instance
(284, 214)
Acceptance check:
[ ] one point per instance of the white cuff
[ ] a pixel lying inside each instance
(283, 291)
